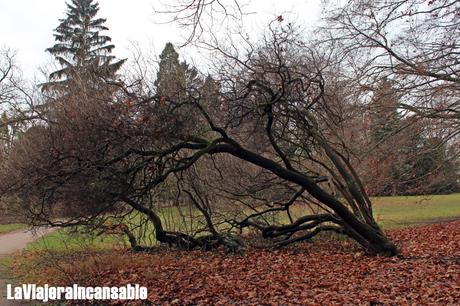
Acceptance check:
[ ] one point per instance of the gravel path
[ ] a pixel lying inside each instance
(10, 243)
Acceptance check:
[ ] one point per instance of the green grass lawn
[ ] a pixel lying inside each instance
(390, 213)
(403, 211)
(6, 228)
(65, 240)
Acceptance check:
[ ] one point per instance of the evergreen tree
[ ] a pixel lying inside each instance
(409, 162)
(429, 168)
(4, 130)
(385, 119)
(210, 95)
(81, 49)
(174, 77)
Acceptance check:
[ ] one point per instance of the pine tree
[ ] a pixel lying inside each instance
(174, 77)
(82, 51)
(410, 162)
(4, 130)
(385, 120)
(389, 156)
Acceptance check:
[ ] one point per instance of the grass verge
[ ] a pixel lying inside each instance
(7, 228)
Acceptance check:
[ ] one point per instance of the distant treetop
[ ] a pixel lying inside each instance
(81, 49)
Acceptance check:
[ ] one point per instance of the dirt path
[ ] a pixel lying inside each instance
(10, 243)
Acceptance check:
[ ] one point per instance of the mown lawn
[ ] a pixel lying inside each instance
(398, 212)
(390, 212)
(65, 240)
(7, 228)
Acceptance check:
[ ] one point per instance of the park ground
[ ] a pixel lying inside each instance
(326, 271)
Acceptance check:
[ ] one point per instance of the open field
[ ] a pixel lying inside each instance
(390, 212)
(403, 211)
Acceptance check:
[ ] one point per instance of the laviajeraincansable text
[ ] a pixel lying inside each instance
(49, 293)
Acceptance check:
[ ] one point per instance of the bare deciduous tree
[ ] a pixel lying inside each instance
(413, 42)
(268, 116)
(200, 16)
(18, 103)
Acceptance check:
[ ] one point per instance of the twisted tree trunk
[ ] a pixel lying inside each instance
(364, 231)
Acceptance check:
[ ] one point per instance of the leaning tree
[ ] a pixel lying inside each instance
(264, 137)
(257, 141)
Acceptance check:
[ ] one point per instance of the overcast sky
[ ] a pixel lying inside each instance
(27, 25)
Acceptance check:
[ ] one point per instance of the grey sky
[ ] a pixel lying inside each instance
(27, 25)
